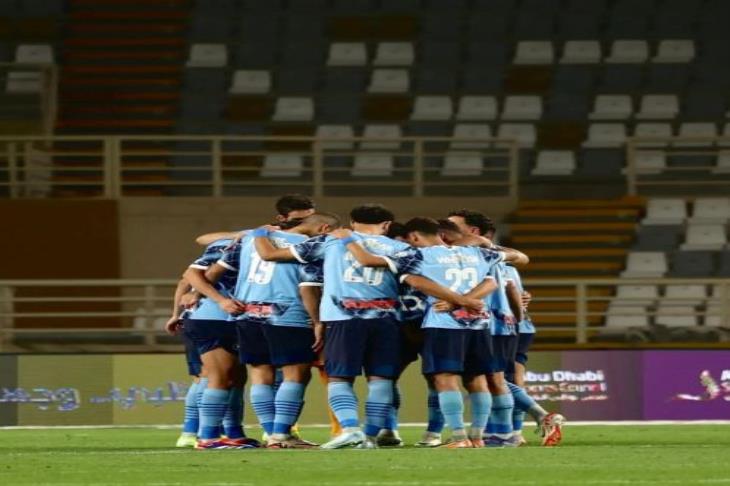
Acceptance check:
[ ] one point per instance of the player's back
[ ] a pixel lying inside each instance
(268, 289)
(208, 309)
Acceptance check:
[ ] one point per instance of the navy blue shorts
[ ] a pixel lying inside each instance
(503, 360)
(357, 345)
(411, 335)
(192, 356)
(210, 334)
(524, 341)
(265, 344)
(460, 351)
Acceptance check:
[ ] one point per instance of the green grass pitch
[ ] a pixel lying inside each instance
(594, 455)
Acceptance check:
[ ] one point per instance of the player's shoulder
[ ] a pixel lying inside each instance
(219, 245)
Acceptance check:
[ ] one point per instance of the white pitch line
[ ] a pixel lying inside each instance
(407, 424)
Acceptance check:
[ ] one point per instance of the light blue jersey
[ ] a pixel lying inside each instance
(525, 326)
(207, 309)
(413, 304)
(350, 290)
(459, 268)
(503, 321)
(270, 290)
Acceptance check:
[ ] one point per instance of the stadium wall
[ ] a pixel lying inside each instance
(583, 385)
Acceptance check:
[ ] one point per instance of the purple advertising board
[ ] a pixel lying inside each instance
(686, 385)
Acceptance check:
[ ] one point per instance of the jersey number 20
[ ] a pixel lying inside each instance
(356, 273)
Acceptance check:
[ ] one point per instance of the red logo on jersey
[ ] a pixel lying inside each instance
(260, 310)
(462, 314)
(376, 304)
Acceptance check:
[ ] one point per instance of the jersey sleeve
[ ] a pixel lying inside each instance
(311, 274)
(309, 251)
(406, 262)
(491, 257)
(212, 254)
(231, 258)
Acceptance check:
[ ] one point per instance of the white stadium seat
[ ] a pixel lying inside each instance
(658, 107)
(605, 135)
(581, 52)
(711, 210)
(693, 295)
(471, 136)
(641, 295)
(650, 162)
(554, 163)
(389, 81)
(373, 165)
(524, 133)
(696, 129)
(653, 130)
(521, 107)
(676, 316)
(384, 137)
(534, 52)
(347, 54)
(705, 237)
(250, 82)
(294, 109)
(462, 165)
(394, 54)
(645, 264)
(675, 51)
(477, 108)
(208, 55)
(611, 107)
(723, 163)
(34, 54)
(432, 108)
(282, 165)
(335, 137)
(628, 52)
(665, 211)
(624, 317)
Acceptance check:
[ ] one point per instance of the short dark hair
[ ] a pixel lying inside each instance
(397, 230)
(427, 226)
(448, 225)
(289, 224)
(330, 219)
(293, 202)
(473, 218)
(371, 214)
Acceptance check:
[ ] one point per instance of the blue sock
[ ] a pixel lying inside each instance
(525, 402)
(452, 406)
(233, 419)
(288, 402)
(481, 405)
(192, 416)
(392, 421)
(202, 385)
(378, 406)
(213, 406)
(500, 420)
(343, 403)
(518, 417)
(262, 402)
(278, 380)
(435, 417)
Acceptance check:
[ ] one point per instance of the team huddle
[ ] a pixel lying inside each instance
(268, 305)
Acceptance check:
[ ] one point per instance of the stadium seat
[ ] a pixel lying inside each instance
(250, 82)
(621, 78)
(605, 135)
(208, 55)
(653, 130)
(657, 237)
(694, 294)
(294, 109)
(440, 54)
(282, 165)
(658, 107)
(522, 108)
(432, 108)
(534, 52)
(705, 237)
(690, 264)
(477, 108)
(716, 316)
(624, 317)
(725, 142)
(384, 137)
(723, 163)
(394, 54)
(554, 163)
(675, 51)
(710, 211)
(676, 316)
(34, 54)
(471, 136)
(628, 52)
(24, 82)
(581, 52)
(462, 165)
(665, 211)
(389, 81)
(347, 54)
(645, 265)
(650, 162)
(697, 129)
(611, 107)
(633, 295)
(524, 133)
(338, 137)
(372, 165)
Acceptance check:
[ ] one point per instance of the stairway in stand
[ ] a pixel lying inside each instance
(569, 239)
(121, 74)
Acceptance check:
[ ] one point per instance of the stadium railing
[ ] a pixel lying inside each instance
(25, 82)
(74, 315)
(228, 165)
(686, 165)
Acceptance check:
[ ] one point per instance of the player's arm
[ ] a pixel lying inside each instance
(266, 249)
(203, 281)
(515, 257)
(515, 300)
(172, 326)
(429, 287)
(361, 255)
(311, 297)
(485, 287)
(208, 238)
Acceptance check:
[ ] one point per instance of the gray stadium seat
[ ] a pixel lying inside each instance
(300, 53)
(572, 79)
(442, 25)
(333, 108)
(211, 28)
(253, 55)
(579, 25)
(439, 54)
(481, 80)
(485, 26)
(601, 162)
(305, 27)
(435, 81)
(621, 78)
(345, 80)
(666, 78)
(491, 55)
(657, 238)
(631, 25)
(687, 264)
(567, 107)
(297, 80)
(723, 269)
(532, 25)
